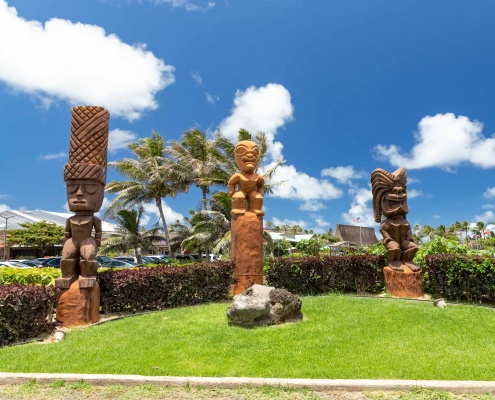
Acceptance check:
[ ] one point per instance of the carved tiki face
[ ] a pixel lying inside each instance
(394, 201)
(246, 156)
(85, 195)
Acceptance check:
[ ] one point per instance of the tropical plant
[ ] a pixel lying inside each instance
(40, 235)
(195, 162)
(150, 178)
(130, 235)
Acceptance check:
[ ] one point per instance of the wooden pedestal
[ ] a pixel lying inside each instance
(78, 306)
(403, 284)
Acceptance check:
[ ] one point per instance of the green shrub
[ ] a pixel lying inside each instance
(162, 287)
(25, 312)
(28, 276)
(316, 275)
(461, 277)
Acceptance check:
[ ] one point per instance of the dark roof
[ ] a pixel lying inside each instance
(356, 234)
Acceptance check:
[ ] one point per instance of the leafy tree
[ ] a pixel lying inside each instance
(130, 235)
(311, 246)
(150, 178)
(281, 248)
(40, 235)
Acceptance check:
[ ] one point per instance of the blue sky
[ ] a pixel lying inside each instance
(339, 87)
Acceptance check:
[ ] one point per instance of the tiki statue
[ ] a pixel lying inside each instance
(85, 177)
(246, 187)
(390, 199)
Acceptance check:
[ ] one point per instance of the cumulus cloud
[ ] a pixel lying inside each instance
(170, 215)
(319, 220)
(312, 205)
(4, 207)
(80, 64)
(211, 98)
(486, 217)
(360, 208)
(301, 186)
(343, 174)
(436, 216)
(290, 222)
(56, 156)
(414, 193)
(444, 141)
(266, 109)
(118, 139)
(489, 193)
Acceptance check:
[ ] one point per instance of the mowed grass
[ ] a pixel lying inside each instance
(341, 337)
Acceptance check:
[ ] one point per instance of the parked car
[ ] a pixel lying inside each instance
(30, 263)
(12, 264)
(103, 260)
(156, 260)
(130, 259)
(121, 264)
(53, 262)
(211, 257)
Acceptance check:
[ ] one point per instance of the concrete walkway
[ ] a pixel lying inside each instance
(7, 378)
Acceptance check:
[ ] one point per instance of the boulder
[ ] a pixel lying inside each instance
(262, 305)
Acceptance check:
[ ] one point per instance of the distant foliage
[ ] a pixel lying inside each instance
(461, 277)
(316, 275)
(41, 235)
(163, 287)
(28, 276)
(25, 312)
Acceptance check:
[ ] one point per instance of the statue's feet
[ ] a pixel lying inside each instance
(238, 211)
(396, 265)
(64, 282)
(413, 267)
(259, 213)
(86, 282)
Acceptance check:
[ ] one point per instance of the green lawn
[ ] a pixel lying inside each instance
(340, 337)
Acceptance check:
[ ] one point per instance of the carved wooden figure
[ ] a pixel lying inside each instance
(85, 177)
(390, 199)
(246, 187)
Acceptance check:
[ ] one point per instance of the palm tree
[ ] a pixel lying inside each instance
(150, 178)
(195, 163)
(130, 235)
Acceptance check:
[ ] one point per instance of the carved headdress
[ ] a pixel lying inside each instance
(381, 182)
(88, 144)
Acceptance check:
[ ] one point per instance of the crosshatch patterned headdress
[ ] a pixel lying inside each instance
(88, 144)
(381, 182)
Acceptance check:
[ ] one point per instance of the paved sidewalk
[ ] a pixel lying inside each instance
(7, 378)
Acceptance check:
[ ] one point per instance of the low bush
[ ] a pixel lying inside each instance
(28, 276)
(316, 275)
(25, 312)
(461, 277)
(162, 287)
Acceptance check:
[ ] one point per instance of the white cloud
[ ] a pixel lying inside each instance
(312, 205)
(488, 206)
(56, 156)
(118, 139)
(343, 174)
(445, 141)
(80, 64)
(170, 215)
(436, 216)
(190, 6)
(414, 193)
(489, 193)
(4, 196)
(486, 217)
(197, 78)
(360, 208)
(211, 99)
(4, 207)
(320, 221)
(301, 186)
(265, 109)
(290, 222)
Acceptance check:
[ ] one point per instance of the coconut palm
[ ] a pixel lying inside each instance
(129, 234)
(150, 178)
(194, 162)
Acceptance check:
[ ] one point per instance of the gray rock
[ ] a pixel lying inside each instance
(262, 305)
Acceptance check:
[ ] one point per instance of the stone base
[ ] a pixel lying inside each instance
(247, 250)
(403, 284)
(263, 306)
(77, 306)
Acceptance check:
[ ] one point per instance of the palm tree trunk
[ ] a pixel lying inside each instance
(158, 201)
(205, 202)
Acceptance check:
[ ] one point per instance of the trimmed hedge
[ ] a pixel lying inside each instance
(459, 277)
(161, 287)
(25, 312)
(28, 276)
(317, 275)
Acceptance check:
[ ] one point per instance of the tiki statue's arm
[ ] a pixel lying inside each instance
(98, 232)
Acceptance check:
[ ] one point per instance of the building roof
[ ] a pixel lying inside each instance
(356, 234)
(17, 217)
(291, 237)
